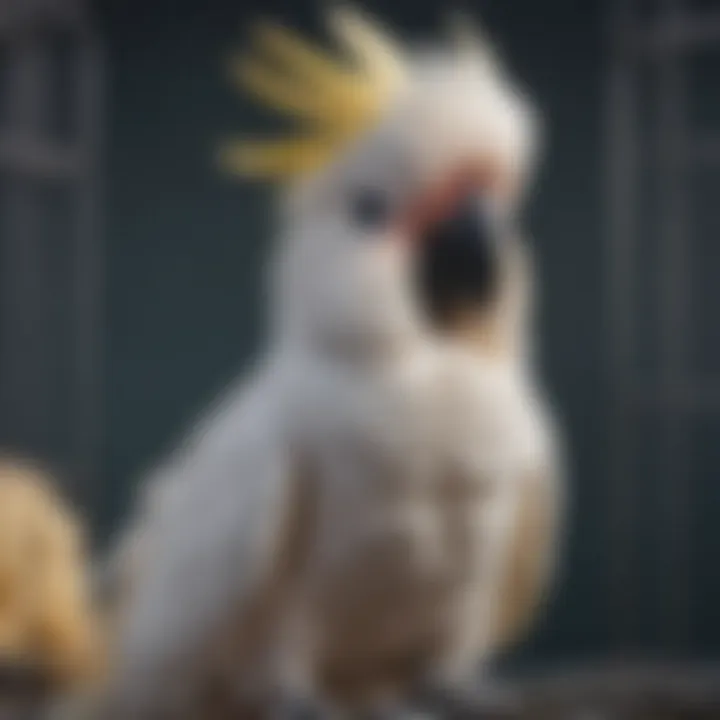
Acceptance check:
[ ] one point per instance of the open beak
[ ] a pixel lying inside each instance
(457, 260)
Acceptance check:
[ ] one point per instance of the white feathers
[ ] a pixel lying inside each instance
(471, 42)
(203, 543)
(363, 482)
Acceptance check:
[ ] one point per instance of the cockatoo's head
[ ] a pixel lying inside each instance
(402, 206)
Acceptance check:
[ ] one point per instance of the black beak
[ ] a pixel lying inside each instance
(458, 263)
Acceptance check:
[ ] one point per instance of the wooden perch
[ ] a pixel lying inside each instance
(24, 691)
(651, 692)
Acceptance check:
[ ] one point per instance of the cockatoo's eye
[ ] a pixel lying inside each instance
(370, 208)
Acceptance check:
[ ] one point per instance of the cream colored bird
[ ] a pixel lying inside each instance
(50, 634)
(372, 512)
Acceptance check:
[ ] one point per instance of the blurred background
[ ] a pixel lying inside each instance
(131, 291)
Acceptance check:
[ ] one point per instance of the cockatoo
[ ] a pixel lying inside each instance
(373, 510)
(50, 634)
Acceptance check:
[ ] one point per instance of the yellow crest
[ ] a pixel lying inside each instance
(335, 100)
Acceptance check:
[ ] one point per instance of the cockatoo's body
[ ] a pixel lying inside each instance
(381, 531)
(416, 468)
(346, 527)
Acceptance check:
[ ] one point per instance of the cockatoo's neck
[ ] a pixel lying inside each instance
(361, 352)
(319, 329)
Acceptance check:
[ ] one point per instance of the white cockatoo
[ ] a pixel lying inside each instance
(373, 510)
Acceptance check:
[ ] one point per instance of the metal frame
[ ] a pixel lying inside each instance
(661, 43)
(29, 159)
